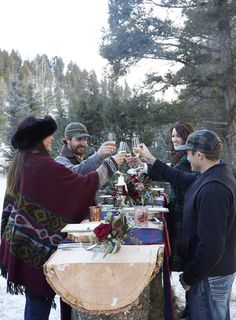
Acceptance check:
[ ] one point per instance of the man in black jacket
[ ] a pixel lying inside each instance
(209, 224)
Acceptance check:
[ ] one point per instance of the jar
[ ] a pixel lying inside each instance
(141, 216)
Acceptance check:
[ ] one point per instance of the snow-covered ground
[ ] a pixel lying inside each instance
(180, 294)
(12, 307)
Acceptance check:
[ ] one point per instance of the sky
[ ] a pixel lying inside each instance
(70, 29)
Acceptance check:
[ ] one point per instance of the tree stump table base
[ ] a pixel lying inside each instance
(148, 307)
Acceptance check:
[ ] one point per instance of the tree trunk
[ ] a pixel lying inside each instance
(149, 307)
(227, 67)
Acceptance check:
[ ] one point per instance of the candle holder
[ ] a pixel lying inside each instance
(121, 190)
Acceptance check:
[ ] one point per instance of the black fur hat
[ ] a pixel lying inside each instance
(33, 130)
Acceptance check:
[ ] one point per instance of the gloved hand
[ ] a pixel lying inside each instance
(114, 162)
(119, 158)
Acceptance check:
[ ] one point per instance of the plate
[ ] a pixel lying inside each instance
(132, 171)
(158, 189)
(81, 227)
(105, 196)
(157, 209)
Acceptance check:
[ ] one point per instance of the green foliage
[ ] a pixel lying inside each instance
(16, 108)
(44, 86)
(137, 30)
(199, 38)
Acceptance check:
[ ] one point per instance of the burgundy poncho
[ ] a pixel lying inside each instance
(50, 196)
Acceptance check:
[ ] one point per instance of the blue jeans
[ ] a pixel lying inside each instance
(209, 299)
(36, 309)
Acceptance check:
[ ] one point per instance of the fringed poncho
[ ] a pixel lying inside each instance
(50, 196)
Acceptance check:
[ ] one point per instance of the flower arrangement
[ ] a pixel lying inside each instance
(139, 190)
(112, 233)
(135, 188)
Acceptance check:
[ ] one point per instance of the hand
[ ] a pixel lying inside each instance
(184, 285)
(134, 162)
(106, 149)
(145, 153)
(119, 158)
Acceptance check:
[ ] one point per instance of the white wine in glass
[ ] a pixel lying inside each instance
(111, 136)
(122, 147)
(135, 143)
(128, 152)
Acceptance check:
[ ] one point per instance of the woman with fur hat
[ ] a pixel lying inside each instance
(42, 196)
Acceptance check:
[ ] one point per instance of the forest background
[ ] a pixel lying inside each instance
(195, 41)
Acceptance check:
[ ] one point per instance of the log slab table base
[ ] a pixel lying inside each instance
(118, 286)
(148, 307)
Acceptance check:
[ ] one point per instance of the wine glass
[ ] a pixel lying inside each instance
(111, 136)
(128, 152)
(122, 147)
(135, 143)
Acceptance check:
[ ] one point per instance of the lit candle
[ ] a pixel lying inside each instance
(121, 182)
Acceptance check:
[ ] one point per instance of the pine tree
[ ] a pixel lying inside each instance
(16, 108)
(198, 39)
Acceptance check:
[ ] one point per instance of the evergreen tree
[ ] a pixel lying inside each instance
(199, 39)
(41, 86)
(59, 101)
(16, 108)
(43, 82)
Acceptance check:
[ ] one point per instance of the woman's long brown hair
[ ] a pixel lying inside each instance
(183, 129)
(17, 165)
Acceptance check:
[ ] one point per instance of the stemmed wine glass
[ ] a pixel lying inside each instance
(111, 136)
(128, 152)
(124, 148)
(135, 143)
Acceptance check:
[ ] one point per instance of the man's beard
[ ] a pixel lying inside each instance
(79, 151)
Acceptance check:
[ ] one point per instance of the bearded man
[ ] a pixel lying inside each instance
(73, 152)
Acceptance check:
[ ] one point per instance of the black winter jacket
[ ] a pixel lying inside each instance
(209, 219)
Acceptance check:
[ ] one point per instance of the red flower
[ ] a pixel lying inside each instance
(102, 231)
(135, 188)
(139, 186)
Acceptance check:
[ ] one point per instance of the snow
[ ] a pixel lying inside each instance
(12, 307)
(180, 294)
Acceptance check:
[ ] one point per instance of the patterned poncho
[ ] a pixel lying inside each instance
(50, 196)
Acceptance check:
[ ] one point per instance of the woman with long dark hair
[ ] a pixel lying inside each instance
(178, 159)
(42, 196)
(179, 133)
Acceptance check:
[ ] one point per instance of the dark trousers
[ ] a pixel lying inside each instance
(65, 310)
(36, 309)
